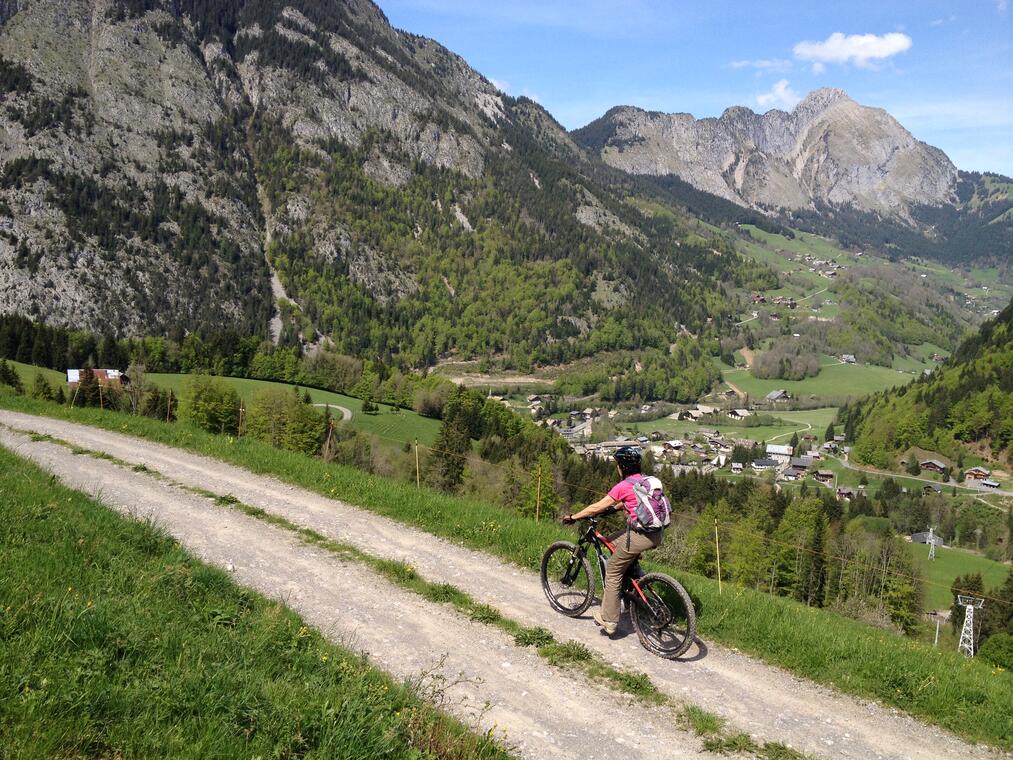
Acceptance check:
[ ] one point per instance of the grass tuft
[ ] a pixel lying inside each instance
(533, 637)
(701, 722)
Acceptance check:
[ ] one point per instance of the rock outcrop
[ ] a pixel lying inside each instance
(828, 149)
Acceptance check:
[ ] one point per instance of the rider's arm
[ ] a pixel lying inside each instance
(604, 504)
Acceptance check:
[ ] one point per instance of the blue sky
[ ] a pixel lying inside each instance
(944, 69)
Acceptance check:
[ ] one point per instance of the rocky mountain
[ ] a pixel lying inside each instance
(828, 149)
(177, 165)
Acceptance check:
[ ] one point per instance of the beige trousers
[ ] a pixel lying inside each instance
(619, 563)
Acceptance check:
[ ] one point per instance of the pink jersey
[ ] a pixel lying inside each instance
(623, 492)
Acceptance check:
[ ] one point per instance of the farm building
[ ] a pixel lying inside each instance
(779, 453)
(801, 465)
(932, 465)
(824, 476)
(104, 376)
(932, 488)
(923, 538)
(764, 464)
(778, 395)
(990, 483)
(847, 493)
(977, 473)
(736, 468)
(739, 414)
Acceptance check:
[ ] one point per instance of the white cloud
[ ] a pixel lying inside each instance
(763, 64)
(499, 84)
(780, 94)
(860, 49)
(819, 68)
(1002, 5)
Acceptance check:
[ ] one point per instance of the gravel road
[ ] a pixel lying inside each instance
(539, 707)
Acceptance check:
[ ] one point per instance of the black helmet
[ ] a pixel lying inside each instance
(628, 458)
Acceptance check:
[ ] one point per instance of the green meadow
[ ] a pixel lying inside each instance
(965, 696)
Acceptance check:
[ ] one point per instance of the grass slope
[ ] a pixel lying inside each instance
(948, 564)
(116, 643)
(834, 381)
(964, 696)
(404, 425)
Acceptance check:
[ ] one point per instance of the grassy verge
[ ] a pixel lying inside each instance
(965, 696)
(114, 642)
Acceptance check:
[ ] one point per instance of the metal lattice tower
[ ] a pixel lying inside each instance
(932, 544)
(970, 604)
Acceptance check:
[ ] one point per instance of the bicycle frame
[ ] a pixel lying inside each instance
(593, 537)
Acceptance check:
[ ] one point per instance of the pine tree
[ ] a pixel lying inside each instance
(450, 454)
(830, 432)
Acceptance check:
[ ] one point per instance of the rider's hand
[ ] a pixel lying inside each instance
(567, 520)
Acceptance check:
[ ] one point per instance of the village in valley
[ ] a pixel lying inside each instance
(817, 455)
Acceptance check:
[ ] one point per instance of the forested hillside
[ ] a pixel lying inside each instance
(966, 402)
(407, 209)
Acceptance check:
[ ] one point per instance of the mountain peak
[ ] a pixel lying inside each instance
(820, 100)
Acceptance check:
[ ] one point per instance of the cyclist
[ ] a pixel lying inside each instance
(638, 541)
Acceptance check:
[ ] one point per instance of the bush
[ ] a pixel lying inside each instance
(282, 419)
(998, 650)
(211, 404)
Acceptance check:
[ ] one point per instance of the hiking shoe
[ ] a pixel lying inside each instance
(606, 626)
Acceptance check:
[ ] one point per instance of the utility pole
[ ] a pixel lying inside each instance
(970, 604)
(932, 544)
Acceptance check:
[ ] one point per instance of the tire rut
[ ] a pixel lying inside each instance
(763, 700)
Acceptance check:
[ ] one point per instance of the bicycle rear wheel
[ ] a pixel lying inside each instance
(566, 579)
(664, 617)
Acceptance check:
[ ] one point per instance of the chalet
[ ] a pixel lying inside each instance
(990, 484)
(690, 414)
(736, 468)
(781, 454)
(930, 489)
(938, 358)
(729, 394)
(848, 358)
(846, 493)
(839, 439)
(739, 414)
(932, 465)
(824, 476)
(104, 376)
(924, 538)
(778, 395)
(977, 473)
(801, 465)
(764, 464)
(706, 409)
(790, 475)
(759, 298)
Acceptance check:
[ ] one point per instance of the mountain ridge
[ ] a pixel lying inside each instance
(780, 159)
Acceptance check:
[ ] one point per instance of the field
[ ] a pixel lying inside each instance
(400, 426)
(116, 643)
(966, 697)
(800, 421)
(950, 563)
(837, 381)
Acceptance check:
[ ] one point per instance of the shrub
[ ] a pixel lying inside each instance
(998, 650)
(211, 404)
(280, 418)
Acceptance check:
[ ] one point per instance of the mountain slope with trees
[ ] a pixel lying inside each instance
(967, 402)
(162, 161)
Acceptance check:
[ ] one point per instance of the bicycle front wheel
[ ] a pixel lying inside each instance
(663, 616)
(566, 579)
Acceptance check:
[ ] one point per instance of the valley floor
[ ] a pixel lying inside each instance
(540, 711)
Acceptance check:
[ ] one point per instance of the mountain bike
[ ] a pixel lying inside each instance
(662, 611)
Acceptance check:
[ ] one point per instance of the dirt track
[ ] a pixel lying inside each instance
(545, 712)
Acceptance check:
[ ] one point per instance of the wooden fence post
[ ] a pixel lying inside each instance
(717, 551)
(418, 470)
(101, 403)
(538, 495)
(168, 407)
